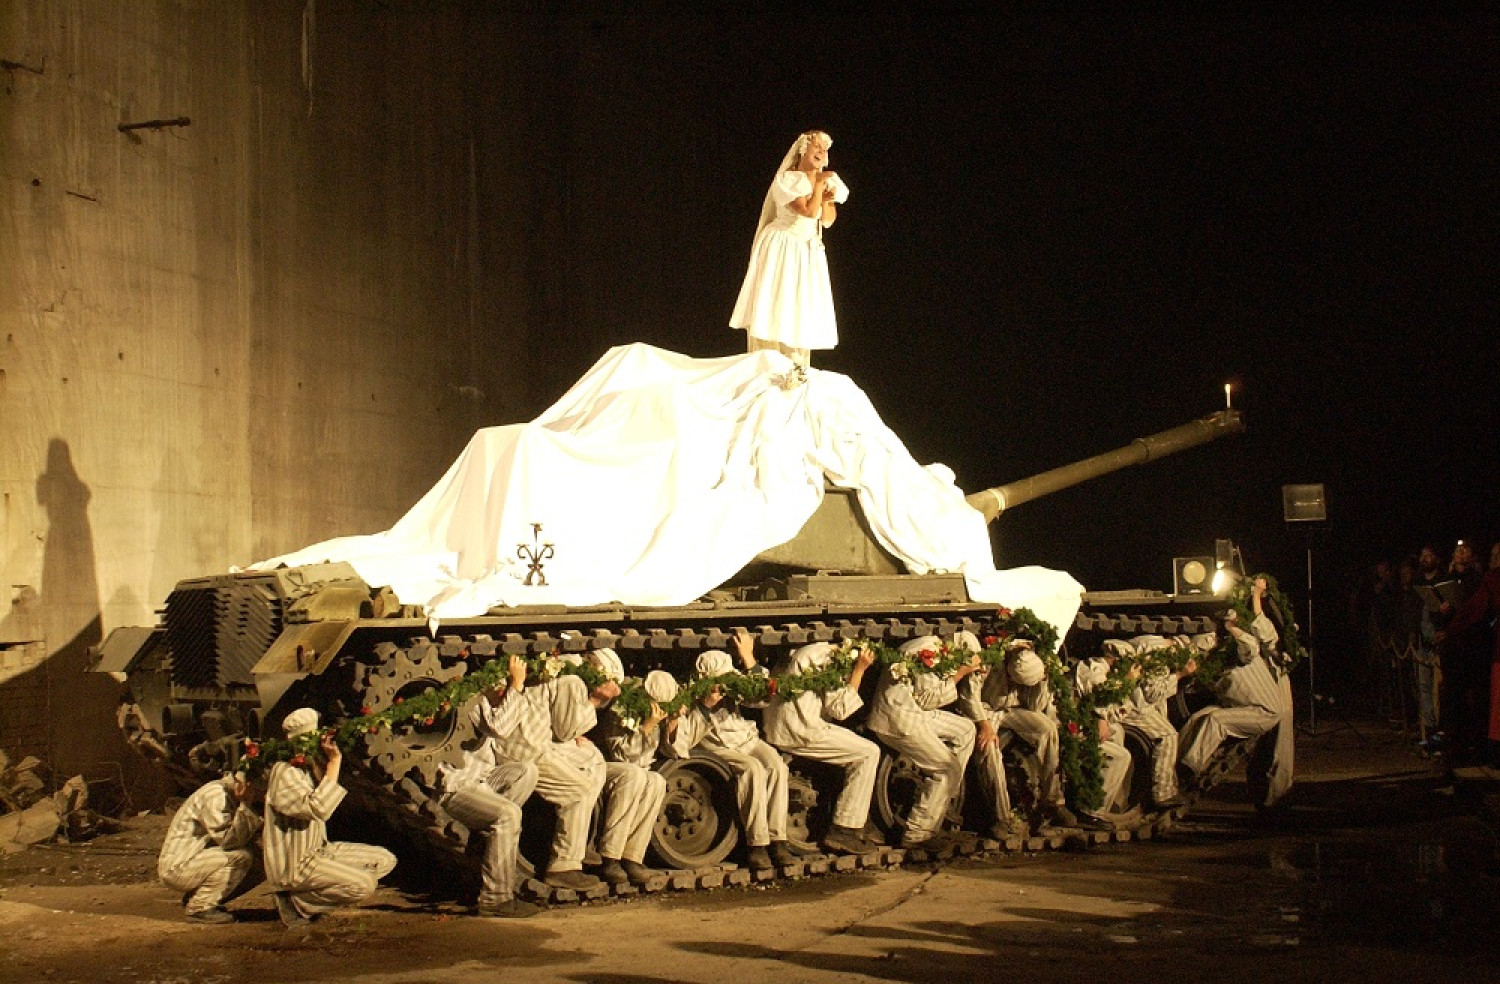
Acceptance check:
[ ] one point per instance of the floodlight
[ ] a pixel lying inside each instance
(1192, 575)
(1303, 503)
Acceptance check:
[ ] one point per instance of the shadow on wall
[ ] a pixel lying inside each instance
(56, 709)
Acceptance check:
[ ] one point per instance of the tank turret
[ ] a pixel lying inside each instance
(837, 539)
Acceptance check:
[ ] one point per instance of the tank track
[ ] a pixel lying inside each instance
(696, 832)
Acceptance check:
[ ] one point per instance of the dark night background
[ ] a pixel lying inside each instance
(1065, 233)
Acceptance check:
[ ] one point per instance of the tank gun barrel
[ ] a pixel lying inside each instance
(992, 502)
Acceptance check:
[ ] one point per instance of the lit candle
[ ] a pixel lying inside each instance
(1227, 404)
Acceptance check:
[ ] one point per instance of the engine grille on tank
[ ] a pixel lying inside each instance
(218, 630)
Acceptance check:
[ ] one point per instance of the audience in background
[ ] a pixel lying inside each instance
(1413, 663)
(1465, 647)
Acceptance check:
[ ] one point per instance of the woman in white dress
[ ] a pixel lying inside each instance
(786, 302)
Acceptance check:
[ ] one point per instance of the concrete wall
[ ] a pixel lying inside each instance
(227, 339)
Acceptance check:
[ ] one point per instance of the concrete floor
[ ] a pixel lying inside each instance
(1378, 871)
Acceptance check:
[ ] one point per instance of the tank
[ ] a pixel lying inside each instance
(233, 653)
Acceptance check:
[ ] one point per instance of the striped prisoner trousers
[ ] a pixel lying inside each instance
(1155, 726)
(210, 877)
(940, 749)
(341, 873)
(491, 808)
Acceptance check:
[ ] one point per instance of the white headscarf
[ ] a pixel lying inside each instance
(608, 662)
(920, 644)
(300, 722)
(967, 641)
(1027, 668)
(1147, 643)
(713, 662)
(1090, 673)
(812, 656)
(661, 686)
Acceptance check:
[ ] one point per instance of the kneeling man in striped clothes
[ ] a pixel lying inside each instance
(310, 875)
(206, 854)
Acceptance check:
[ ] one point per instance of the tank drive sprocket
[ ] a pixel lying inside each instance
(403, 673)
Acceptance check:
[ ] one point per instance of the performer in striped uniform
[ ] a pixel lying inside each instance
(485, 795)
(206, 854)
(905, 714)
(1146, 712)
(804, 726)
(309, 874)
(1018, 700)
(633, 793)
(717, 731)
(547, 731)
(1255, 701)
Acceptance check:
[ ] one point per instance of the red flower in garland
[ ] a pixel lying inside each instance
(771, 686)
(400, 700)
(928, 657)
(252, 750)
(366, 711)
(991, 640)
(1004, 613)
(299, 759)
(373, 729)
(1073, 728)
(427, 722)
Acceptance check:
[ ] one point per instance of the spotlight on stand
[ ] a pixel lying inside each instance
(1192, 575)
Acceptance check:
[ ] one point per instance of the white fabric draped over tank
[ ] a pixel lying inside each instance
(657, 477)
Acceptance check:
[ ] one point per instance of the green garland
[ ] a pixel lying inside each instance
(1119, 684)
(1116, 689)
(1242, 604)
(1079, 745)
(420, 710)
(1079, 756)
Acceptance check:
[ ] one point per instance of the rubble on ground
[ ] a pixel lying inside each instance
(32, 815)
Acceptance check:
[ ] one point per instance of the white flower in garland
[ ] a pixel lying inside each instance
(630, 723)
(900, 672)
(551, 668)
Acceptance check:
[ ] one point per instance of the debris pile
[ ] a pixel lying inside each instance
(32, 815)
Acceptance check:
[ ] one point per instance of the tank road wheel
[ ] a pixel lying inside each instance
(405, 760)
(1022, 781)
(1137, 792)
(699, 821)
(896, 785)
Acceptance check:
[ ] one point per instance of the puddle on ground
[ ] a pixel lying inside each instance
(1414, 893)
